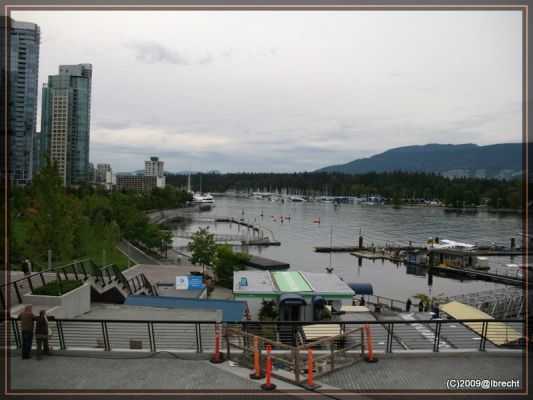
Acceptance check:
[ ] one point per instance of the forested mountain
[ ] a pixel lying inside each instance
(499, 161)
(397, 184)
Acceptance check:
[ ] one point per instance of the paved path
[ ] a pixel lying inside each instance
(135, 254)
(142, 372)
(428, 371)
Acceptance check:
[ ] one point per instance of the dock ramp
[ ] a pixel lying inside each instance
(497, 332)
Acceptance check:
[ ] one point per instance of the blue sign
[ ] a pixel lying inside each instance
(190, 282)
(195, 282)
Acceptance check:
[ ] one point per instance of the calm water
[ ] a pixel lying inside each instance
(379, 225)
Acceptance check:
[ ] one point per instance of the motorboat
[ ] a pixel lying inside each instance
(203, 198)
(296, 199)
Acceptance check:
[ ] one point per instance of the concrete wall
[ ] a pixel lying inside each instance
(69, 305)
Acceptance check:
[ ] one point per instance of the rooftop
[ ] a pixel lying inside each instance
(290, 281)
(232, 310)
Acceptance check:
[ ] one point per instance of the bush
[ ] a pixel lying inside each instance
(57, 288)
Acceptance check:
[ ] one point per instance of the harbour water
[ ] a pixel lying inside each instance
(379, 225)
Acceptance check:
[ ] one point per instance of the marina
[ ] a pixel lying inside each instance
(382, 228)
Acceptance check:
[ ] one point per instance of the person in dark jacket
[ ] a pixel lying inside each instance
(26, 324)
(421, 306)
(408, 305)
(26, 267)
(41, 334)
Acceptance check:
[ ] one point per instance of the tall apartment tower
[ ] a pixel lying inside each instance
(65, 121)
(23, 71)
(154, 167)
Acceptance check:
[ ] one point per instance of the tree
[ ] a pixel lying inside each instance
(202, 248)
(429, 301)
(227, 261)
(56, 217)
(165, 242)
(268, 311)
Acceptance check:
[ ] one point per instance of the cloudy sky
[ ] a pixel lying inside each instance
(287, 91)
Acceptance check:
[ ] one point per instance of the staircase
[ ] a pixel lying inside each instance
(108, 284)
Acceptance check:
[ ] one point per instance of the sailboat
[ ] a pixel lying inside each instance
(330, 268)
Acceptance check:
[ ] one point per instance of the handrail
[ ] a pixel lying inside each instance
(421, 335)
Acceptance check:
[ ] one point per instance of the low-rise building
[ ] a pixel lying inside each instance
(299, 295)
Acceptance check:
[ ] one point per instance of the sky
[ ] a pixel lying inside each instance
(286, 91)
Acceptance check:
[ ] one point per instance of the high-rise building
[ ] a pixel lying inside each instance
(23, 70)
(101, 172)
(65, 121)
(154, 167)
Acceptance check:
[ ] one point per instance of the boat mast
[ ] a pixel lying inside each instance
(330, 246)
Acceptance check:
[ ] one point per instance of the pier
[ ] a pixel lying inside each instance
(265, 237)
(335, 249)
(484, 275)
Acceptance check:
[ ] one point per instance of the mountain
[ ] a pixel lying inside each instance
(500, 161)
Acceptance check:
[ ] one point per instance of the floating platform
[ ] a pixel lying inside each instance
(335, 249)
(516, 281)
(265, 263)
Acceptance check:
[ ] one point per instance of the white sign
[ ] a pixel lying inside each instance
(182, 282)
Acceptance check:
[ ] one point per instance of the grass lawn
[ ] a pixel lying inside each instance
(94, 248)
(92, 244)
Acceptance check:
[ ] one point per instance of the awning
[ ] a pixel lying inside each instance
(497, 332)
(319, 301)
(291, 299)
(361, 288)
(315, 332)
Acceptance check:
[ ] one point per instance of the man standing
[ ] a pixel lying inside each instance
(26, 323)
(26, 267)
(408, 305)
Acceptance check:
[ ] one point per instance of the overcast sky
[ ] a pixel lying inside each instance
(287, 91)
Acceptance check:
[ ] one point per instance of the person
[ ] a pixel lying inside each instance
(421, 306)
(179, 260)
(25, 267)
(41, 334)
(27, 320)
(436, 311)
(408, 305)
(362, 301)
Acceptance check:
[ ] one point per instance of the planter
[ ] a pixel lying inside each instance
(69, 305)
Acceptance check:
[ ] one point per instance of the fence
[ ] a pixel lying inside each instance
(12, 293)
(186, 336)
(291, 362)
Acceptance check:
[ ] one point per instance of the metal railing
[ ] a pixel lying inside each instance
(12, 293)
(185, 336)
(384, 302)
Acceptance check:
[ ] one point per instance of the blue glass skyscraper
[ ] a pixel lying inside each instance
(23, 69)
(65, 121)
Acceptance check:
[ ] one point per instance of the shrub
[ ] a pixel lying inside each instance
(57, 288)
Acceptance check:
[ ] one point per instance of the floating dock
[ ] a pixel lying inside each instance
(265, 263)
(335, 249)
(484, 275)
(265, 237)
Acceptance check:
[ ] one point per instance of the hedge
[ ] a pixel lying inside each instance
(57, 288)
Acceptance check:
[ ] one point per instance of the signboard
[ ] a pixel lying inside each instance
(191, 282)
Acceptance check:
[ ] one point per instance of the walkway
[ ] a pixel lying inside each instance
(145, 372)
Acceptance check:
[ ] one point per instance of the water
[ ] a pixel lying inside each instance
(379, 225)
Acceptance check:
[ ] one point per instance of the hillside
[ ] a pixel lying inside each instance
(501, 161)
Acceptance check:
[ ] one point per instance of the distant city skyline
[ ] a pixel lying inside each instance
(284, 91)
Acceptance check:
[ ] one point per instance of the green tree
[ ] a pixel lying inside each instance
(202, 248)
(227, 261)
(55, 221)
(165, 243)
